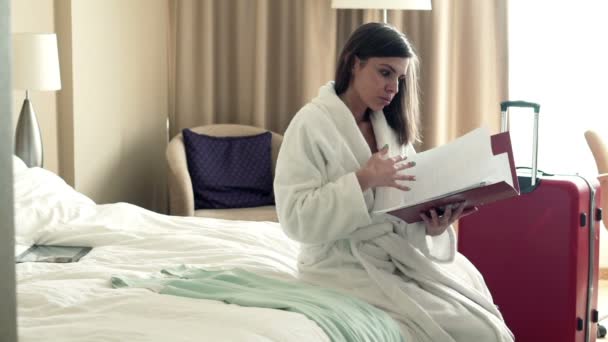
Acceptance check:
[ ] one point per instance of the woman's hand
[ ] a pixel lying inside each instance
(436, 225)
(382, 171)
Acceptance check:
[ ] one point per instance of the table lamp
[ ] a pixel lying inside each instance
(35, 67)
(383, 4)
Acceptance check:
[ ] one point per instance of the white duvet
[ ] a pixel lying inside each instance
(75, 302)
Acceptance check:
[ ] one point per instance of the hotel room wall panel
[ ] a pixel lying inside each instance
(120, 100)
(65, 98)
(38, 16)
(104, 131)
(8, 327)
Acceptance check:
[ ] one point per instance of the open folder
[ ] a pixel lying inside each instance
(477, 168)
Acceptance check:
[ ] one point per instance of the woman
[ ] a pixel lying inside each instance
(346, 149)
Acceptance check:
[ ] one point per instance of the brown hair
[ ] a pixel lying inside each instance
(382, 40)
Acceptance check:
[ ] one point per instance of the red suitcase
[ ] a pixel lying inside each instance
(539, 252)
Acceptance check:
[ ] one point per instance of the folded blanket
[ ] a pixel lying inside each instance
(343, 318)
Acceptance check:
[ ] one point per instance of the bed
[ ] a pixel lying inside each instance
(76, 302)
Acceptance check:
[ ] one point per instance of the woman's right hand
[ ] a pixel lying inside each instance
(382, 171)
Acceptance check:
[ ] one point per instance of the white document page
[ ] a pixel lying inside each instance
(501, 170)
(464, 163)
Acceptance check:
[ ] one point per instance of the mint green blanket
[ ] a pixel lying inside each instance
(343, 318)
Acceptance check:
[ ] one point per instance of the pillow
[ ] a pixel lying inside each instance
(229, 172)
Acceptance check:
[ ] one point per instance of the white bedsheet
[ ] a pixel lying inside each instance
(74, 302)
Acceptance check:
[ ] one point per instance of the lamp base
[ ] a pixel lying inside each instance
(28, 141)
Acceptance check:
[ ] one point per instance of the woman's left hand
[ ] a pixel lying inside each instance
(436, 225)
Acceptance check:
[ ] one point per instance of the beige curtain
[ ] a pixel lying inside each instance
(253, 62)
(258, 61)
(462, 46)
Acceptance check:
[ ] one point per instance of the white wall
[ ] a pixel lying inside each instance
(65, 99)
(120, 94)
(104, 132)
(8, 328)
(37, 16)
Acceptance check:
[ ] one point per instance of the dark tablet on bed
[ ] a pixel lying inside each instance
(58, 254)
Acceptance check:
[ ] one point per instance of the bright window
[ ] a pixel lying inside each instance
(558, 57)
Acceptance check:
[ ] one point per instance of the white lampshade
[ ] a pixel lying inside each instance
(383, 4)
(35, 61)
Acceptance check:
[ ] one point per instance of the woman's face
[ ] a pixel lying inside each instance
(376, 80)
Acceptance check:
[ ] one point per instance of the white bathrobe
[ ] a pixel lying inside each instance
(433, 292)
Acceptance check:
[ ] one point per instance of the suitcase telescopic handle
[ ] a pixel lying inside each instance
(504, 106)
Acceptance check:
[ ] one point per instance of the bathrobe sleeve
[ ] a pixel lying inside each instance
(440, 248)
(318, 198)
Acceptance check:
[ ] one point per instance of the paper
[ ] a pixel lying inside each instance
(453, 172)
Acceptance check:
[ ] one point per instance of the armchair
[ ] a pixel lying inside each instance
(181, 194)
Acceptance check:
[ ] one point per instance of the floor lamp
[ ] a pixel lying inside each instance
(383, 4)
(35, 67)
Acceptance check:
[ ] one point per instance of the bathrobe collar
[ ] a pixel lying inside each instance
(344, 120)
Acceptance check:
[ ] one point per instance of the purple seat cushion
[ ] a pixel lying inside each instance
(229, 172)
